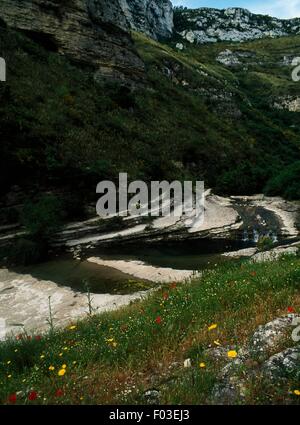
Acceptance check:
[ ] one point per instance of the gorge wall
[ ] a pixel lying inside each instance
(92, 32)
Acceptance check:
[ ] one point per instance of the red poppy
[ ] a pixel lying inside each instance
(291, 310)
(38, 337)
(12, 398)
(173, 285)
(158, 320)
(165, 296)
(32, 395)
(18, 337)
(29, 338)
(59, 393)
(253, 274)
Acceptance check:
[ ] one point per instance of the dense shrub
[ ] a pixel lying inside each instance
(42, 218)
(286, 183)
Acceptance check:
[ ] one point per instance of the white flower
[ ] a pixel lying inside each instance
(187, 363)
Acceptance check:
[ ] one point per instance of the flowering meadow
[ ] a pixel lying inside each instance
(158, 343)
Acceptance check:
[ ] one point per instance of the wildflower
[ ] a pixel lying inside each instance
(59, 393)
(64, 366)
(32, 395)
(9, 362)
(291, 310)
(74, 362)
(42, 356)
(38, 337)
(187, 363)
(297, 392)
(51, 368)
(212, 327)
(61, 372)
(217, 342)
(72, 328)
(29, 338)
(232, 354)
(253, 274)
(173, 285)
(158, 320)
(18, 337)
(165, 296)
(60, 354)
(66, 348)
(16, 350)
(9, 376)
(12, 398)
(202, 365)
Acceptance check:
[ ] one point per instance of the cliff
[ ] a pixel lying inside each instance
(92, 32)
(206, 25)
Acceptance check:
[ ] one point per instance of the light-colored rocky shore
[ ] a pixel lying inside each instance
(141, 270)
(24, 303)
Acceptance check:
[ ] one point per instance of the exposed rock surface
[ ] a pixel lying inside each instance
(253, 361)
(289, 103)
(92, 32)
(24, 303)
(206, 25)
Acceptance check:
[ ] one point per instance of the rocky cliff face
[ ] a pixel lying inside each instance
(153, 17)
(206, 25)
(92, 32)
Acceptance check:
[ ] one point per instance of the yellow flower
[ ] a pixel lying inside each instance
(9, 376)
(16, 350)
(42, 356)
(72, 327)
(9, 362)
(212, 327)
(74, 362)
(65, 348)
(217, 342)
(64, 366)
(202, 365)
(114, 344)
(297, 392)
(51, 368)
(61, 372)
(110, 340)
(232, 354)
(60, 354)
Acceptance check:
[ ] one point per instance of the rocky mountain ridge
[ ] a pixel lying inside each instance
(208, 25)
(92, 32)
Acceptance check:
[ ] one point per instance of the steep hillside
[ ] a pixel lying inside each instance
(94, 33)
(224, 113)
(207, 25)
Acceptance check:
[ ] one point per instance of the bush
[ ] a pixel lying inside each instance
(286, 183)
(264, 243)
(42, 218)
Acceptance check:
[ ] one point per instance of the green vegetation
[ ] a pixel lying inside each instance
(193, 118)
(286, 182)
(116, 357)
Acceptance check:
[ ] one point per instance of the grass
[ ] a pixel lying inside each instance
(117, 356)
